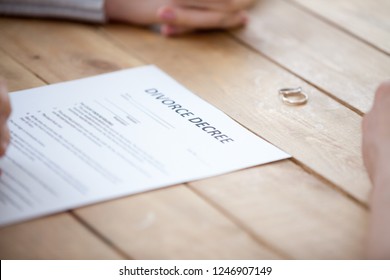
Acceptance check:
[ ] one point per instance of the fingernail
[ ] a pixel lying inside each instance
(244, 19)
(5, 143)
(3, 148)
(168, 30)
(168, 14)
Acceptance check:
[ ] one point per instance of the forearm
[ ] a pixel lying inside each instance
(86, 10)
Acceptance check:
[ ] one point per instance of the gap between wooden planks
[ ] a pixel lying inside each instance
(340, 65)
(102, 227)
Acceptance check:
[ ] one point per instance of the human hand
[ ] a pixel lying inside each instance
(376, 135)
(5, 110)
(376, 155)
(180, 16)
(134, 11)
(183, 16)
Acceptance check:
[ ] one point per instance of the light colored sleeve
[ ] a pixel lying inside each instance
(85, 10)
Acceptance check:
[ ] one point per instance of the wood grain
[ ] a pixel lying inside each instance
(343, 66)
(16, 76)
(323, 135)
(291, 210)
(172, 223)
(368, 20)
(60, 51)
(55, 237)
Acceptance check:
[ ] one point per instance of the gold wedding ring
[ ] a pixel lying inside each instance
(293, 96)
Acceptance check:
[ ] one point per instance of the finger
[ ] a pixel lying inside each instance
(5, 111)
(5, 105)
(172, 30)
(220, 5)
(200, 19)
(4, 139)
(383, 90)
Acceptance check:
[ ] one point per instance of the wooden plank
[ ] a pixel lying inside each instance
(323, 135)
(368, 20)
(59, 51)
(171, 223)
(16, 76)
(59, 61)
(341, 65)
(54, 237)
(291, 210)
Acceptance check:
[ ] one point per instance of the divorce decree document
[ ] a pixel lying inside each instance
(99, 138)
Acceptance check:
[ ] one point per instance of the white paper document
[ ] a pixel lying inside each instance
(116, 134)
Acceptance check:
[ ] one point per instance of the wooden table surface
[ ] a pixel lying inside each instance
(312, 206)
